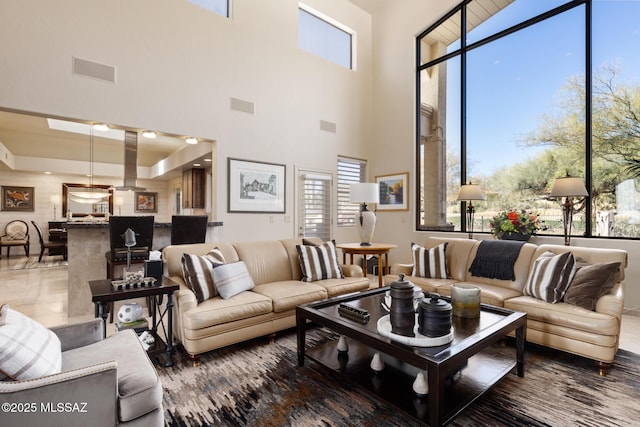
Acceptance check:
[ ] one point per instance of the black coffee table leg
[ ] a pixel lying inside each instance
(301, 330)
(521, 334)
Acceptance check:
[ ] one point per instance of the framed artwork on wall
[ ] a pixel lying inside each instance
(394, 190)
(146, 202)
(17, 198)
(256, 187)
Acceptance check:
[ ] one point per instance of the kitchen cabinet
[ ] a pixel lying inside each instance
(193, 185)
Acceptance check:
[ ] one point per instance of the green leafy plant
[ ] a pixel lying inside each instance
(516, 221)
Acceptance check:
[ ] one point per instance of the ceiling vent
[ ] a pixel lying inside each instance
(130, 163)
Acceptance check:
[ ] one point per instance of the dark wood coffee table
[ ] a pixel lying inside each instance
(102, 293)
(458, 373)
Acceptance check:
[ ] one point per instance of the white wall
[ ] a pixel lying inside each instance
(177, 68)
(395, 29)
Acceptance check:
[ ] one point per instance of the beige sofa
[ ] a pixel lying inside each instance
(592, 334)
(264, 310)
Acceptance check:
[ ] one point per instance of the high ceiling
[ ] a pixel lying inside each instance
(30, 136)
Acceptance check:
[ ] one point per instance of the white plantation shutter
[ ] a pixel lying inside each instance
(316, 205)
(350, 171)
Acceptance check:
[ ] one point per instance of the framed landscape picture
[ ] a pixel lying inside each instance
(394, 190)
(257, 187)
(17, 198)
(146, 202)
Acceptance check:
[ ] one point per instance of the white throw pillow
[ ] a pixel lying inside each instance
(28, 350)
(231, 279)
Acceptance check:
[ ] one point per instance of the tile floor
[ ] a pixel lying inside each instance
(41, 293)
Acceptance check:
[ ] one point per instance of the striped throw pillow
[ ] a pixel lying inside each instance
(319, 262)
(431, 263)
(197, 271)
(551, 276)
(232, 279)
(28, 350)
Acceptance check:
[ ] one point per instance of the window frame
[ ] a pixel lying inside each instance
(462, 52)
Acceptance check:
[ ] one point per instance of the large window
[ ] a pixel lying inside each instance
(324, 37)
(507, 100)
(350, 171)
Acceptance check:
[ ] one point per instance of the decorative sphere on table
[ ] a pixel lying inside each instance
(130, 312)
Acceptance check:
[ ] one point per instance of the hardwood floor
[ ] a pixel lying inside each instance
(41, 293)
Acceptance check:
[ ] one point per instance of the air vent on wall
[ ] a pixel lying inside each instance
(82, 67)
(244, 106)
(327, 126)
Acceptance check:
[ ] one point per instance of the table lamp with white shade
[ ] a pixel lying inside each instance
(364, 193)
(568, 187)
(468, 193)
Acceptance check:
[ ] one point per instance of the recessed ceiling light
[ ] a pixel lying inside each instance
(149, 134)
(207, 160)
(196, 164)
(102, 127)
(191, 140)
(47, 173)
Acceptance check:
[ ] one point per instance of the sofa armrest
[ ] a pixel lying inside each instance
(352, 270)
(405, 269)
(88, 397)
(613, 302)
(185, 299)
(79, 334)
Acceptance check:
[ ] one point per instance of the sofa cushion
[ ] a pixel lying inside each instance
(197, 271)
(231, 279)
(591, 282)
(318, 262)
(28, 350)
(550, 276)
(431, 263)
(289, 294)
(139, 388)
(347, 285)
(217, 311)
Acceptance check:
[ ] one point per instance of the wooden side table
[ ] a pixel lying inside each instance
(378, 249)
(102, 293)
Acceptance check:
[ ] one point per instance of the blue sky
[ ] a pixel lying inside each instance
(515, 80)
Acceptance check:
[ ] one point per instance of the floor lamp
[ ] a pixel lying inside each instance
(468, 193)
(568, 187)
(364, 193)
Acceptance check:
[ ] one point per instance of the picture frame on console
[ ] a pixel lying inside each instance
(18, 198)
(146, 201)
(256, 187)
(394, 189)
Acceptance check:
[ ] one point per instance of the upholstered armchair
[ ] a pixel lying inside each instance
(103, 382)
(16, 233)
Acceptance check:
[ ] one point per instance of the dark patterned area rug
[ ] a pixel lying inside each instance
(257, 384)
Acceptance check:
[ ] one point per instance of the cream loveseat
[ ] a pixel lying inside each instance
(590, 333)
(269, 307)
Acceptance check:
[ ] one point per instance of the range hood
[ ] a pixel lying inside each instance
(130, 163)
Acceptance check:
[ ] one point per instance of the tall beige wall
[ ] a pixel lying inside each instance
(178, 66)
